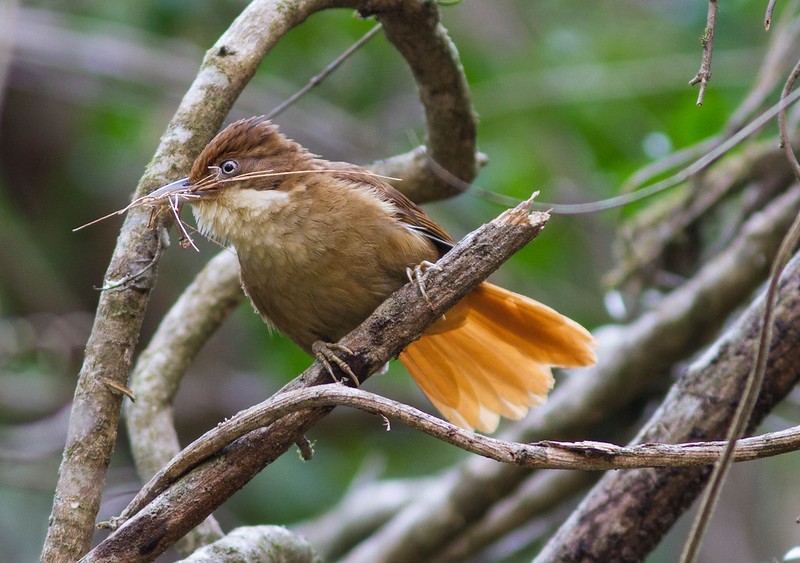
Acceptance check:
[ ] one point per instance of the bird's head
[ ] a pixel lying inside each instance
(246, 173)
(248, 154)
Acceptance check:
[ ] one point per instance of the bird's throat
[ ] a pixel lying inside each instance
(243, 217)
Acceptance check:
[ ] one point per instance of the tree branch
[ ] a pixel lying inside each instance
(703, 75)
(401, 319)
(451, 131)
(546, 454)
(417, 34)
(95, 411)
(700, 405)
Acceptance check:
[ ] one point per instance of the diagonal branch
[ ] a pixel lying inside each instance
(401, 319)
(699, 406)
(631, 357)
(425, 45)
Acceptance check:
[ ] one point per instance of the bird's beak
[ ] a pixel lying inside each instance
(178, 187)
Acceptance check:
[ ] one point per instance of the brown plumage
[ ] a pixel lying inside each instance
(322, 244)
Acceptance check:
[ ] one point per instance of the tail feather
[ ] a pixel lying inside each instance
(491, 356)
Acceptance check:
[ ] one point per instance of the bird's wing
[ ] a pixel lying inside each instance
(406, 211)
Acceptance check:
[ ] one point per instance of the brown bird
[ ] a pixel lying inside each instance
(322, 244)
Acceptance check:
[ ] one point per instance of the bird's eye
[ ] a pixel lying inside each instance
(229, 167)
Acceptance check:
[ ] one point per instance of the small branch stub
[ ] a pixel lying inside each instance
(703, 75)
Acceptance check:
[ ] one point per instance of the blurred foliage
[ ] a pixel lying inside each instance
(573, 97)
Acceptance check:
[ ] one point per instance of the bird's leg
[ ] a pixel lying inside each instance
(416, 273)
(325, 352)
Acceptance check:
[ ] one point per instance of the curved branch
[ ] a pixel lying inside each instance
(414, 29)
(225, 71)
(547, 454)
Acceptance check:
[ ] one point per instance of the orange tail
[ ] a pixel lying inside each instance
(491, 355)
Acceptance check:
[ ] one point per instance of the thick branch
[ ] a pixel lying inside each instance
(627, 513)
(382, 336)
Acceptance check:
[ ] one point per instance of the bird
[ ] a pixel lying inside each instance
(322, 244)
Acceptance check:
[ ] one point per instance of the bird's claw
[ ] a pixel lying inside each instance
(416, 274)
(325, 352)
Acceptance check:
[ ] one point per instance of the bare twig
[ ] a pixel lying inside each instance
(706, 160)
(704, 74)
(768, 14)
(317, 79)
(585, 455)
(741, 417)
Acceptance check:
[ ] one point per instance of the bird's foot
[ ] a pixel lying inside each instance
(415, 276)
(325, 352)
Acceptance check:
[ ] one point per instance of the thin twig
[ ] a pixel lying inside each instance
(756, 377)
(583, 455)
(315, 80)
(643, 193)
(768, 14)
(703, 75)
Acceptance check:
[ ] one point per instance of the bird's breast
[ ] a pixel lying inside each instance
(315, 262)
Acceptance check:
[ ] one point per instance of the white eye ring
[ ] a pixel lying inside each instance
(229, 167)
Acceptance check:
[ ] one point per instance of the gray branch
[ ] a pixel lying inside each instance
(626, 513)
